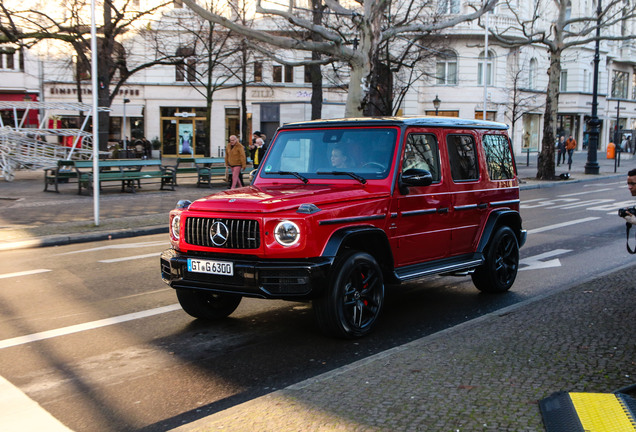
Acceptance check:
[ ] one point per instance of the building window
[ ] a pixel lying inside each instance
(191, 69)
(489, 68)
(532, 74)
(563, 86)
(490, 115)
(277, 74)
(448, 6)
(446, 68)
(258, 71)
(289, 74)
(7, 59)
(186, 68)
(620, 82)
(308, 74)
(586, 81)
(634, 85)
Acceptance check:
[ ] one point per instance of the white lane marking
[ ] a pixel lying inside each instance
(561, 225)
(23, 273)
(114, 260)
(535, 263)
(21, 340)
(19, 413)
(120, 246)
(586, 192)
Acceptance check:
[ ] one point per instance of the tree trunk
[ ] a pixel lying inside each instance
(545, 166)
(380, 91)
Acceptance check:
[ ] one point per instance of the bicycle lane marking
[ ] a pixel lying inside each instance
(561, 225)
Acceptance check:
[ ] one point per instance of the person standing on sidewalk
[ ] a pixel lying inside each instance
(631, 185)
(570, 146)
(561, 150)
(235, 159)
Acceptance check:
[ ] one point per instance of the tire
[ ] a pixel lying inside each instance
(207, 305)
(350, 307)
(499, 271)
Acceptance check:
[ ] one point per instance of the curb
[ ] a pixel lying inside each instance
(66, 239)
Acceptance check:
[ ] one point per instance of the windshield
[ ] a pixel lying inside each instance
(328, 153)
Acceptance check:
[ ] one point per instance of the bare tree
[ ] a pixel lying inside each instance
(564, 32)
(27, 27)
(203, 56)
(365, 21)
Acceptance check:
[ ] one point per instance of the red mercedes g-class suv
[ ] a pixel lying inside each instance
(341, 209)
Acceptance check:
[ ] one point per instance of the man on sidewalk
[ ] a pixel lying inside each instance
(570, 146)
(561, 150)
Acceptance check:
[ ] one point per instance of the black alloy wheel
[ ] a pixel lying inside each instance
(499, 271)
(354, 300)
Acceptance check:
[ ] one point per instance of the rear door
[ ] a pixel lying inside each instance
(418, 227)
(469, 207)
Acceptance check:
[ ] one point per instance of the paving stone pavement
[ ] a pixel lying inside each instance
(487, 374)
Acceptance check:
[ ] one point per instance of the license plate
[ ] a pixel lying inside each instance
(223, 268)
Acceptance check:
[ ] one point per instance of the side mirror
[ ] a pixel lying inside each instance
(414, 177)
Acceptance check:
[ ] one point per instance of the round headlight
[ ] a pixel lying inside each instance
(175, 227)
(287, 233)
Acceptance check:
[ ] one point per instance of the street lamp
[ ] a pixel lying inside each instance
(436, 104)
(124, 128)
(591, 166)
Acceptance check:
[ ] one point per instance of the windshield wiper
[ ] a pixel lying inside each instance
(295, 174)
(348, 173)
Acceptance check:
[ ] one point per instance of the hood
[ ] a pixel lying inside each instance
(285, 197)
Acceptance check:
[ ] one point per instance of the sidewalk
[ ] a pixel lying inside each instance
(487, 374)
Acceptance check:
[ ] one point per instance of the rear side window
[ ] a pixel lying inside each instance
(498, 157)
(462, 157)
(421, 152)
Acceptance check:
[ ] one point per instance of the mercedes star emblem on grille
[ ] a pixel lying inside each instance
(219, 233)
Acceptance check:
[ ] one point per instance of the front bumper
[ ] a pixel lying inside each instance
(271, 279)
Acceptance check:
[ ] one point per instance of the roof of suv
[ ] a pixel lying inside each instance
(446, 122)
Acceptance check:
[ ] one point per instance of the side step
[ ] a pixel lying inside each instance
(463, 263)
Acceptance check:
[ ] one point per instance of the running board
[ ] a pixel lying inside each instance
(455, 265)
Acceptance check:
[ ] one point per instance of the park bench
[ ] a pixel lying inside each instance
(186, 166)
(64, 172)
(128, 172)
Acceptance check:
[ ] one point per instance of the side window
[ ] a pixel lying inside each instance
(421, 152)
(498, 157)
(462, 157)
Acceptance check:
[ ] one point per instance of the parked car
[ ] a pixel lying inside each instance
(341, 210)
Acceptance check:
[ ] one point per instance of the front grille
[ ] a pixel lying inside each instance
(242, 233)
